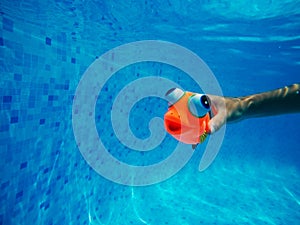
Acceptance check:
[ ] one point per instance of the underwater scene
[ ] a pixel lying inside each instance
(85, 134)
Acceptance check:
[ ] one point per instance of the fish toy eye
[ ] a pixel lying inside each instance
(205, 101)
(199, 105)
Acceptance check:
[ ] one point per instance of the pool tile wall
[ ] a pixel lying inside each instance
(42, 171)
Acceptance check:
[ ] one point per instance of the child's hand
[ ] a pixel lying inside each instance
(224, 110)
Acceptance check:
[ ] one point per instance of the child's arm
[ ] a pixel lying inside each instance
(279, 101)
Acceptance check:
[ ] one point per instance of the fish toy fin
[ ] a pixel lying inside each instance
(203, 137)
(194, 146)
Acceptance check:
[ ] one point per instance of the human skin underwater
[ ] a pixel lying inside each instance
(191, 116)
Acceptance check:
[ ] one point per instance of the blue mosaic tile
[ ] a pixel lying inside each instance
(8, 24)
(62, 38)
(7, 99)
(27, 60)
(45, 89)
(34, 60)
(46, 170)
(31, 101)
(4, 128)
(52, 98)
(4, 185)
(19, 194)
(17, 77)
(47, 67)
(19, 57)
(48, 41)
(14, 119)
(23, 165)
(2, 66)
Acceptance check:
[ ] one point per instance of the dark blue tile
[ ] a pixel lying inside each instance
(48, 41)
(1, 41)
(42, 205)
(8, 24)
(14, 119)
(7, 99)
(47, 206)
(17, 77)
(73, 60)
(42, 121)
(19, 194)
(23, 165)
(4, 185)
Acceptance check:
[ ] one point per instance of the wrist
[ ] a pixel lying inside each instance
(236, 108)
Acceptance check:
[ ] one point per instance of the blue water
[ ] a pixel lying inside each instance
(45, 47)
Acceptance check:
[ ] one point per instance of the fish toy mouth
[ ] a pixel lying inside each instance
(172, 125)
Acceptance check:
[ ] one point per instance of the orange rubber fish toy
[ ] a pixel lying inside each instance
(187, 116)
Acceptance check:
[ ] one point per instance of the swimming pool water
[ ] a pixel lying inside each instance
(45, 47)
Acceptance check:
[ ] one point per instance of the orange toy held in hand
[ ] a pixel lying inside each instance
(188, 116)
